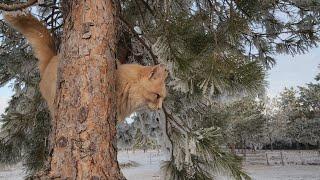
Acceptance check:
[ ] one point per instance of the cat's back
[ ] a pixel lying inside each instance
(129, 71)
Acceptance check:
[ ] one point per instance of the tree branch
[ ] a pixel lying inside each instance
(17, 6)
(148, 7)
(182, 128)
(136, 35)
(140, 11)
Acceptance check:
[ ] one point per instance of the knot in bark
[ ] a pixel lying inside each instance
(62, 142)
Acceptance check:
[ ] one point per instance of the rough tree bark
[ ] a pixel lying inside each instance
(84, 127)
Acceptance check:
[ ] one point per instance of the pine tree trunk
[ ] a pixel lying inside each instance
(84, 130)
(271, 145)
(245, 148)
(297, 145)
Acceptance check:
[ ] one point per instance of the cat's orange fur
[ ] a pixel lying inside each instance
(137, 86)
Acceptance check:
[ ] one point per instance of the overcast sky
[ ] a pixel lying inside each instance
(289, 71)
(293, 71)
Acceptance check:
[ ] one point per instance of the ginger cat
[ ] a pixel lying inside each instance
(138, 86)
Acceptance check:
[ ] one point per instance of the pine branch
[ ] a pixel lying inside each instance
(174, 122)
(148, 7)
(136, 35)
(303, 8)
(17, 6)
(140, 12)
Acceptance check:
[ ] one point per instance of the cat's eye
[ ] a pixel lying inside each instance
(158, 95)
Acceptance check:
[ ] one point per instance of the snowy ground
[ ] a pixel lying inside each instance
(11, 173)
(148, 168)
(296, 172)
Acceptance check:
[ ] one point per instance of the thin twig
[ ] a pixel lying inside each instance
(135, 34)
(52, 17)
(148, 7)
(140, 11)
(174, 122)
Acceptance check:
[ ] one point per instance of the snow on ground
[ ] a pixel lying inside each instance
(148, 168)
(299, 172)
(11, 172)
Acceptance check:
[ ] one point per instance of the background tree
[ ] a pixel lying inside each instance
(247, 122)
(295, 115)
(276, 122)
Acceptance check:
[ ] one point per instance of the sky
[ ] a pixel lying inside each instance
(289, 71)
(293, 71)
(5, 94)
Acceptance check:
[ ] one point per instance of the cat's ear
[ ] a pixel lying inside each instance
(158, 71)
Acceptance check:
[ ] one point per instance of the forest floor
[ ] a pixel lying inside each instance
(146, 166)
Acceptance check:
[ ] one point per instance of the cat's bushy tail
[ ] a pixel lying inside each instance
(37, 35)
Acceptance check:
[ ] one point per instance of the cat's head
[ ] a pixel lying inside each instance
(153, 86)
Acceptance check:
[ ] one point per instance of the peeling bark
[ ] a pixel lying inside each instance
(84, 127)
